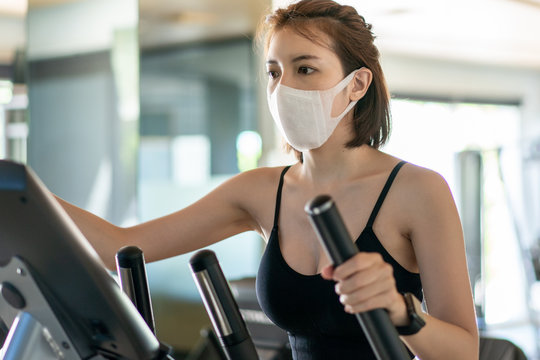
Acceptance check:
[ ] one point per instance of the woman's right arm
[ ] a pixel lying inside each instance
(219, 215)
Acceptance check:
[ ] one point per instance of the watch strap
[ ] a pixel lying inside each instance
(416, 322)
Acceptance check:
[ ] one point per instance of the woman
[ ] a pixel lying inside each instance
(327, 94)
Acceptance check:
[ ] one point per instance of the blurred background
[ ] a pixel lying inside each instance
(134, 109)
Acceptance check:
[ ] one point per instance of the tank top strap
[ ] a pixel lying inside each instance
(278, 196)
(384, 191)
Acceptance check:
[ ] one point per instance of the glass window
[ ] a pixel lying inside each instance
(432, 134)
(197, 105)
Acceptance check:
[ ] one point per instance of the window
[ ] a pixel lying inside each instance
(432, 134)
(195, 103)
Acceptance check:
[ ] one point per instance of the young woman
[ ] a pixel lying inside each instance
(327, 95)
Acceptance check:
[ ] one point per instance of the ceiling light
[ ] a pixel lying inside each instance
(13, 7)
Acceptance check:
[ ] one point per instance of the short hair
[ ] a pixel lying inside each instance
(353, 42)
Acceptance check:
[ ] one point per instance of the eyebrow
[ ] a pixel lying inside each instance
(297, 58)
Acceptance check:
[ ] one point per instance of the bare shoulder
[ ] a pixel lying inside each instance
(247, 189)
(426, 201)
(258, 179)
(423, 192)
(422, 183)
(254, 192)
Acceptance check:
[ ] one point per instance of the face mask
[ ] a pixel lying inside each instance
(304, 116)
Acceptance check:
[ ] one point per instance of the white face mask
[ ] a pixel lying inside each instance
(304, 117)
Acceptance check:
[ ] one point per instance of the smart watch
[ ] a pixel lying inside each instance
(415, 315)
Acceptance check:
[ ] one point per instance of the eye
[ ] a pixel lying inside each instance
(305, 70)
(272, 74)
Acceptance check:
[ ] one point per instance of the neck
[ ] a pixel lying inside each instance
(334, 163)
(329, 164)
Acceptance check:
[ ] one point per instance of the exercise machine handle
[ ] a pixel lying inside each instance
(331, 231)
(131, 269)
(222, 307)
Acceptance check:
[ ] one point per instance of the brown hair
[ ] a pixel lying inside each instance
(352, 41)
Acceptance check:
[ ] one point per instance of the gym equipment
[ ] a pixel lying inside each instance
(221, 307)
(331, 231)
(57, 297)
(131, 269)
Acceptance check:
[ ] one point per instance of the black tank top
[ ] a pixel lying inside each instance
(307, 307)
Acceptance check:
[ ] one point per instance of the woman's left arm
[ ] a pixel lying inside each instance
(437, 237)
(366, 282)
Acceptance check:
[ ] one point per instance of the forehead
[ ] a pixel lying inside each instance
(289, 42)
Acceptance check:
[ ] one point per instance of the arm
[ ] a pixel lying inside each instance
(220, 214)
(439, 246)
(366, 282)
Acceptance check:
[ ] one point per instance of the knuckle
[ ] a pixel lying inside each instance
(357, 281)
(371, 304)
(377, 257)
(357, 260)
(387, 268)
(389, 300)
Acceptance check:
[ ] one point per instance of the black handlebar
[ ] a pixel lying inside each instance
(331, 231)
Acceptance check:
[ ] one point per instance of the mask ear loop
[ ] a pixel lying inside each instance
(342, 85)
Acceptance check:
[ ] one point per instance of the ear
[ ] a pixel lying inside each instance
(360, 84)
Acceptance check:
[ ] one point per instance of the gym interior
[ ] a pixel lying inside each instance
(135, 109)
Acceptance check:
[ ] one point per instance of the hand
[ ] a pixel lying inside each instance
(366, 282)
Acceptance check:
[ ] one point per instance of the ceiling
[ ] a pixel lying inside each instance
(495, 32)
(163, 22)
(499, 32)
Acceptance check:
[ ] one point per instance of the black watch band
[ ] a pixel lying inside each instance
(415, 315)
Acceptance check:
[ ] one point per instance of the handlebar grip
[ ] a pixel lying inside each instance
(331, 231)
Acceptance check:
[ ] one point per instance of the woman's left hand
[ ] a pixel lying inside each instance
(366, 282)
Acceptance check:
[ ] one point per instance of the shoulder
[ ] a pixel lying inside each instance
(254, 188)
(412, 179)
(259, 177)
(254, 191)
(420, 190)
(421, 181)
(245, 189)
(425, 197)
(245, 198)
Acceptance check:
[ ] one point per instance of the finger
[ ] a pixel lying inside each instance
(388, 301)
(375, 274)
(327, 272)
(384, 286)
(383, 300)
(358, 262)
